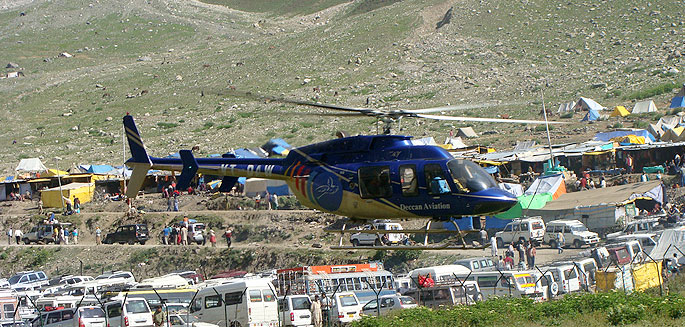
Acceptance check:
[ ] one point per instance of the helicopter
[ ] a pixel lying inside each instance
(364, 177)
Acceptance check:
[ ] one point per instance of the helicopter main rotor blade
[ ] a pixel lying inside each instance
(487, 120)
(459, 107)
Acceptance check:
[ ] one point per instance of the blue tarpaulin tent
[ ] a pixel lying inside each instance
(588, 104)
(678, 102)
(277, 146)
(245, 153)
(607, 136)
(592, 115)
(99, 169)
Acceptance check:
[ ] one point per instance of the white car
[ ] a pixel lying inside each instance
(294, 310)
(575, 233)
(135, 313)
(388, 303)
(345, 308)
(518, 230)
(358, 239)
(186, 320)
(646, 225)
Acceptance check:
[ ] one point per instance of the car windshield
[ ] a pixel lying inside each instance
(92, 313)
(525, 280)
(136, 307)
(467, 174)
(14, 279)
(579, 229)
(142, 228)
(348, 300)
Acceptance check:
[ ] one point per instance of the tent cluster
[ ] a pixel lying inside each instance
(593, 110)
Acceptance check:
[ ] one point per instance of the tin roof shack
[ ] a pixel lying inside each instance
(16, 186)
(647, 155)
(603, 209)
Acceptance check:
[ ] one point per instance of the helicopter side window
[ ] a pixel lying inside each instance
(374, 182)
(408, 180)
(435, 179)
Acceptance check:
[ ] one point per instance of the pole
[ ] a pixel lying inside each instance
(59, 180)
(549, 139)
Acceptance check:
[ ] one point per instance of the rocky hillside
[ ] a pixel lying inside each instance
(168, 62)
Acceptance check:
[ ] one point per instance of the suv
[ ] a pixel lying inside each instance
(477, 264)
(646, 225)
(86, 316)
(389, 303)
(126, 276)
(28, 280)
(43, 233)
(130, 234)
(294, 310)
(195, 233)
(521, 229)
(135, 312)
(574, 233)
(358, 239)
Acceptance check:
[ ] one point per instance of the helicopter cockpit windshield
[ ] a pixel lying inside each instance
(469, 175)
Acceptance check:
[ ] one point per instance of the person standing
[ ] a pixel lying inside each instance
(74, 235)
(165, 235)
(483, 237)
(18, 234)
(228, 234)
(184, 235)
(560, 242)
(510, 251)
(66, 235)
(493, 247)
(158, 317)
(212, 238)
(267, 199)
(98, 236)
(175, 202)
(532, 252)
(169, 203)
(274, 198)
(521, 247)
(629, 164)
(10, 233)
(77, 205)
(315, 308)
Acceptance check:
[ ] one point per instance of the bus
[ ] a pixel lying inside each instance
(361, 279)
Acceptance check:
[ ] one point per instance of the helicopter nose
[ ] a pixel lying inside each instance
(495, 200)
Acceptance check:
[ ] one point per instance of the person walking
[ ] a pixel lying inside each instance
(212, 238)
(532, 252)
(560, 242)
(98, 236)
(74, 235)
(228, 234)
(18, 234)
(315, 309)
(10, 233)
(483, 237)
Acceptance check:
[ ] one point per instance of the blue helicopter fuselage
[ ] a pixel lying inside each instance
(366, 177)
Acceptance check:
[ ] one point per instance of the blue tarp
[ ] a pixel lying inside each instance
(99, 169)
(606, 136)
(9, 178)
(245, 153)
(492, 169)
(280, 190)
(592, 115)
(277, 146)
(677, 102)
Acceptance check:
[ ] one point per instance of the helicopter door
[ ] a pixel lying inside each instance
(435, 180)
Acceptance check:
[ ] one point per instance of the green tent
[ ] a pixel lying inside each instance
(526, 202)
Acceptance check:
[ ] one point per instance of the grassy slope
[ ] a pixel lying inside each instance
(214, 47)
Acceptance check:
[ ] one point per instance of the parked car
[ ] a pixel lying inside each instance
(294, 310)
(125, 276)
(388, 303)
(28, 280)
(448, 295)
(587, 268)
(358, 239)
(647, 240)
(525, 229)
(135, 312)
(345, 308)
(86, 316)
(195, 232)
(130, 234)
(43, 234)
(186, 320)
(566, 275)
(645, 225)
(575, 233)
(633, 249)
(477, 264)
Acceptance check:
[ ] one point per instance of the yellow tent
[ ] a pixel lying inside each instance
(55, 172)
(83, 191)
(620, 111)
(632, 139)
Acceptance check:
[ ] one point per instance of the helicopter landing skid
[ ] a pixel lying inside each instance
(445, 245)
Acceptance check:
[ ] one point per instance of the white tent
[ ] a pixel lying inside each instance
(467, 132)
(545, 184)
(456, 142)
(586, 104)
(566, 107)
(424, 141)
(515, 189)
(644, 106)
(254, 186)
(671, 241)
(30, 165)
(668, 121)
(655, 130)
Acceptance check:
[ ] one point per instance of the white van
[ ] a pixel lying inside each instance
(345, 308)
(439, 274)
(518, 230)
(243, 302)
(88, 316)
(134, 313)
(477, 264)
(508, 283)
(588, 268)
(294, 310)
(575, 233)
(436, 297)
(64, 301)
(567, 276)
